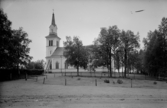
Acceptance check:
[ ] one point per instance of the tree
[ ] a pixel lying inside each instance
(21, 50)
(5, 37)
(106, 45)
(108, 42)
(39, 64)
(14, 48)
(75, 53)
(155, 56)
(129, 41)
(117, 63)
(138, 60)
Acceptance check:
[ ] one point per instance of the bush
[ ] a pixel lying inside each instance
(106, 81)
(155, 83)
(78, 78)
(32, 71)
(9, 74)
(119, 81)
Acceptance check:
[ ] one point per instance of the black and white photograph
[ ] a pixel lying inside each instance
(83, 54)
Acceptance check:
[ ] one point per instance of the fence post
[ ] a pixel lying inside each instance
(44, 80)
(36, 78)
(131, 83)
(95, 82)
(65, 82)
(10, 76)
(26, 76)
(54, 75)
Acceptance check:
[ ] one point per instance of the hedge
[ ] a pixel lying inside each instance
(8, 74)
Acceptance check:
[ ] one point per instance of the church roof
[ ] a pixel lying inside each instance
(59, 51)
(52, 36)
(53, 20)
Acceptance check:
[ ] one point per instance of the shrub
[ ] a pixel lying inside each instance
(34, 71)
(155, 83)
(78, 78)
(7, 73)
(119, 81)
(106, 81)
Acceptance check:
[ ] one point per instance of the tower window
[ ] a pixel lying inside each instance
(50, 42)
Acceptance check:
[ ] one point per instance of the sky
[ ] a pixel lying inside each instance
(82, 18)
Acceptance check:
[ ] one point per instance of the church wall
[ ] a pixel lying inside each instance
(50, 49)
(61, 62)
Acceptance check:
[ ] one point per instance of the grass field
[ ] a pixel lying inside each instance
(58, 91)
(85, 80)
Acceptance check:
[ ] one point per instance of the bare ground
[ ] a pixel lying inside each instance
(81, 93)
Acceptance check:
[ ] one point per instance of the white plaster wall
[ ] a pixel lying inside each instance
(48, 49)
(51, 48)
(61, 61)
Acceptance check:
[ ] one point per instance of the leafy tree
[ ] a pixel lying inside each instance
(117, 63)
(139, 61)
(129, 41)
(108, 42)
(21, 50)
(39, 64)
(14, 48)
(75, 53)
(5, 38)
(156, 50)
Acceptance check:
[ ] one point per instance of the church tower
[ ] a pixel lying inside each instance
(52, 40)
(53, 26)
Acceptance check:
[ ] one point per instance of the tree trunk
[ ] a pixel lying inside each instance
(110, 63)
(78, 70)
(125, 62)
(118, 72)
(18, 70)
(118, 67)
(78, 62)
(122, 69)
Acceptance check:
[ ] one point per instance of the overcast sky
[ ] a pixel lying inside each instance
(82, 18)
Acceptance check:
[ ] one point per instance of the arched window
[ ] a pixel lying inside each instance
(57, 65)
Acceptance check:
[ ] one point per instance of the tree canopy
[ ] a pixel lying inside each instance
(39, 64)
(14, 48)
(75, 53)
(129, 42)
(155, 56)
(106, 45)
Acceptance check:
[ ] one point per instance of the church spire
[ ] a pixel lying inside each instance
(53, 27)
(53, 20)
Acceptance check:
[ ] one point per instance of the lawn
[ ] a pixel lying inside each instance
(82, 92)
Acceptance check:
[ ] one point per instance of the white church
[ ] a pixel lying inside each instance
(55, 61)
